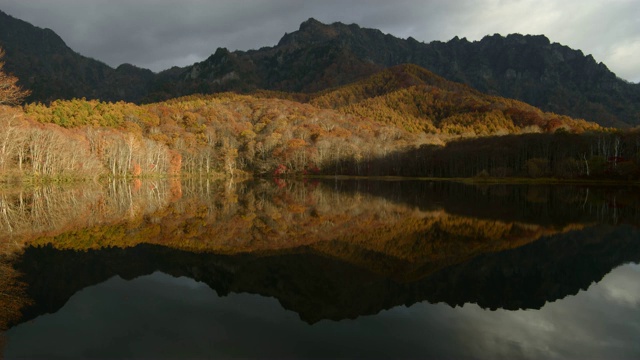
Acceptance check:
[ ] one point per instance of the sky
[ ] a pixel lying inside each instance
(159, 34)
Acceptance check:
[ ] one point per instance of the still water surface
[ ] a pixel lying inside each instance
(159, 316)
(337, 269)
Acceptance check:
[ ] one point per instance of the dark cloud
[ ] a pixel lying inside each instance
(158, 34)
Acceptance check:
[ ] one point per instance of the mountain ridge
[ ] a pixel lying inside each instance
(318, 56)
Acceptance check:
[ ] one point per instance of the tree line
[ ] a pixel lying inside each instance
(597, 155)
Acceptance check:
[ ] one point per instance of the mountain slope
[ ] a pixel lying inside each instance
(547, 75)
(528, 68)
(51, 70)
(417, 100)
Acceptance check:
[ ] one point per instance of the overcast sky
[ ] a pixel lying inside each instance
(158, 34)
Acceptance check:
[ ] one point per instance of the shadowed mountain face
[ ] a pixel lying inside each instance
(319, 56)
(51, 70)
(332, 250)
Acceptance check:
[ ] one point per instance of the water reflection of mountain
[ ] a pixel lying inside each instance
(308, 244)
(318, 287)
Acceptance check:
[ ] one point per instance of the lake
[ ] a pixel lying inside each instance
(320, 268)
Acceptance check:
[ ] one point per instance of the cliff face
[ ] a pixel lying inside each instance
(319, 56)
(548, 75)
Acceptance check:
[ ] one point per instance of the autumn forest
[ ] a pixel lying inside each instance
(402, 121)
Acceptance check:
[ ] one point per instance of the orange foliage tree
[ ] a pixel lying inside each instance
(10, 92)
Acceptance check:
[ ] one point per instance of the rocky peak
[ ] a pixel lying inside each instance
(313, 32)
(311, 24)
(220, 56)
(534, 40)
(515, 40)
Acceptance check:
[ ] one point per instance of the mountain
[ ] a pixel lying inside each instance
(417, 100)
(528, 68)
(318, 57)
(51, 70)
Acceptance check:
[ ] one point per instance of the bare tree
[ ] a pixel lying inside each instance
(11, 138)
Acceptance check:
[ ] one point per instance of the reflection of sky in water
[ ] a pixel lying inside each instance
(160, 316)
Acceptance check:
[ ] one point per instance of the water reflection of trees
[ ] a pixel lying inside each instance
(265, 215)
(404, 230)
(28, 211)
(61, 210)
(48, 210)
(13, 297)
(400, 231)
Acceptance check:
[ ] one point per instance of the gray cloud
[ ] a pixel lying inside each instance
(158, 34)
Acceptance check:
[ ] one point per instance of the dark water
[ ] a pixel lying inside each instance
(159, 316)
(332, 269)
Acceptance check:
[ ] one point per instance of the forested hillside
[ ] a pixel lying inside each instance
(393, 112)
(415, 99)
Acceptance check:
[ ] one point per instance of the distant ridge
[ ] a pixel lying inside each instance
(318, 56)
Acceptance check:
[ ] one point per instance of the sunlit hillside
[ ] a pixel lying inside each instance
(227, 134)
